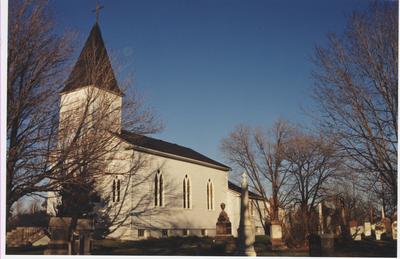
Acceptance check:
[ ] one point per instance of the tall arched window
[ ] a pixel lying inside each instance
(210, 195)
(116, 190)
(158, 189)
(186, 192)
(113, 191)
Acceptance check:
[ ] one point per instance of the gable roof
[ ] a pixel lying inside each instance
(93, 66)
(238, 189)
(168, 148)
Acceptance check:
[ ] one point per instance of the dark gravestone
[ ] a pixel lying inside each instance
(58, 244)
(314, 245)
(84, 228)
(224, 226)
(224, 237)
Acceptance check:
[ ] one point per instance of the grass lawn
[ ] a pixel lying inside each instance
(206, 247)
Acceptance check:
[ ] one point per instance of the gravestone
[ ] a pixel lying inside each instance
(276, 236)
(388, 226)
(328, 237)
(224, 231)
(353, 228)
(327, 244)
(379, 230)
(359, 232)
(314, 245)
(394, 230)
(367, 229)
(84, 227)
(246, 237)
(59, 244)
(223, 223)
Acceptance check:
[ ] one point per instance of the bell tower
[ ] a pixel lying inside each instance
(92, 89)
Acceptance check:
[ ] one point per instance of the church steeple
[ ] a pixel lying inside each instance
(93, 66)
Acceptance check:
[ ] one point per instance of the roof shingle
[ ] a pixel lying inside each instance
(166, 147)
(93, 66)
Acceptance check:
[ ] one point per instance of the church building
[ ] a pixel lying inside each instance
(176, 192)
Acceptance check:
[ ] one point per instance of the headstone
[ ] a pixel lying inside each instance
(394, 230)
(58, 244)
(246, 237)
(379, 230)
(276, 235)
(367, 229)
(314, 245)
(321, 218)
(327, 244)
(353, 228)
(388, 225)
(84, 228)
(224, 231)
(359, 232)
(223, 223)
(338, 231)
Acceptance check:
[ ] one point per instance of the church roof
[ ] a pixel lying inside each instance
(238, 189)
(93, 66)
(168, 148)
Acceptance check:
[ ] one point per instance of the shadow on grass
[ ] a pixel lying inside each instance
(204, 246)
(366, 248)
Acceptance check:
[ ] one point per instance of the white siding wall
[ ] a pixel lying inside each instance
(172, 215)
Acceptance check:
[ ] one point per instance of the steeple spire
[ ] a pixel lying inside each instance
(93, 66)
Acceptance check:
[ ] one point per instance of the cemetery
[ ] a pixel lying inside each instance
(86, 172)
(377, 239)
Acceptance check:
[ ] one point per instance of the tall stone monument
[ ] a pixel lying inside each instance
(246, 236)
(326, 231)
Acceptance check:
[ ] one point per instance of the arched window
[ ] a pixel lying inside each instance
(210, 195)
(186, 192)
(113, 191)
(116, 190)
(158, 189)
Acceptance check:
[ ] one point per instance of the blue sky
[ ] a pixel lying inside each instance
(205, 66)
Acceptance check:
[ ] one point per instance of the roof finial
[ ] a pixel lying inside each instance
(97, 10)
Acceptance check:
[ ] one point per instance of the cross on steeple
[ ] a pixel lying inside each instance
(97, 10)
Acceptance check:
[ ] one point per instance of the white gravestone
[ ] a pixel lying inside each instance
(360, 231)
(394, 230)
(353, 231)
(276, 232)
(379, 230)
(367, 227)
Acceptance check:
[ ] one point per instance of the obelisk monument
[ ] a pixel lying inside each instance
(246, 236)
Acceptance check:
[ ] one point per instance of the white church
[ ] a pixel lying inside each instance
(177, 193)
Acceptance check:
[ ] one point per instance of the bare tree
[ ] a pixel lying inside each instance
(76, 153)
(261, 156)
(36, 65)
(356, 88)
(312, 162)
(93, 170)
